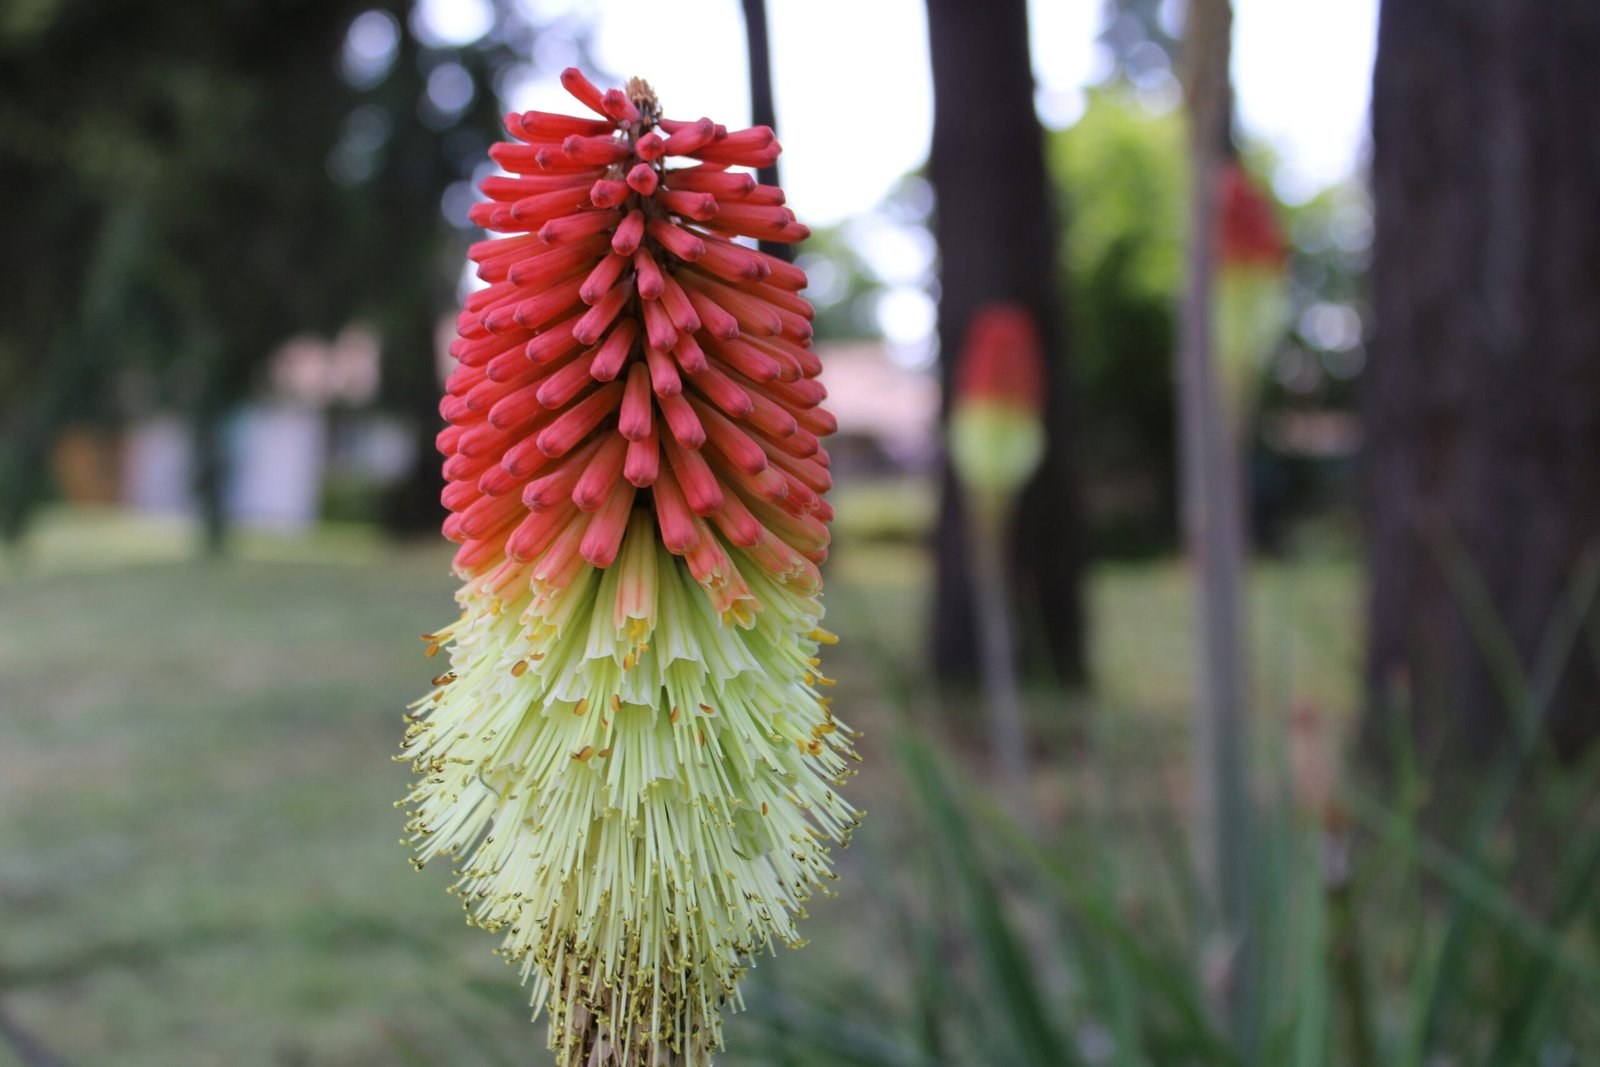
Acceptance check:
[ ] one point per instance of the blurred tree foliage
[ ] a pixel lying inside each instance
(200, 179)
(1141, 40)
(1304, 460)
(1120, 170)
(843, 286)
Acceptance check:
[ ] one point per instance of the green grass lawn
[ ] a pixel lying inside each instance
(198, 856)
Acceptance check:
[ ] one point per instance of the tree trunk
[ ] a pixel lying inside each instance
(207, 411)
(210, 476)
(762, 111)
(1482, 400)
(995, 227)
(411, 506)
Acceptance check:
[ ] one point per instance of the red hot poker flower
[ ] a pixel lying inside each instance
(1002, 359)
(629, 755)
(996, 432)
(1247, 225)
(617, 260)
(1250, 297)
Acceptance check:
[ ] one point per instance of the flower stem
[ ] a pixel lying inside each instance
(989, 521)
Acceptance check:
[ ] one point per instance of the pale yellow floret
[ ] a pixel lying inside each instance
(633, 862)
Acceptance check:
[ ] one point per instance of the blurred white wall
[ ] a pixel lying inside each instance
(276, 467)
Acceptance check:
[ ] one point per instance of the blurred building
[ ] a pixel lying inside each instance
(888, 413)
(312, 447)
(312, 435)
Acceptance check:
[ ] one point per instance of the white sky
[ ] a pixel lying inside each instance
(854, 96)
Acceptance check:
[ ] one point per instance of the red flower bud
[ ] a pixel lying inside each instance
(1247, 224)
(1002, 359)
(609, 247)
(996, 433)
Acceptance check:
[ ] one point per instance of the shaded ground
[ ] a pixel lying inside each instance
(198, 859)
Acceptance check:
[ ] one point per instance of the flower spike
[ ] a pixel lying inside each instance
(628, 761)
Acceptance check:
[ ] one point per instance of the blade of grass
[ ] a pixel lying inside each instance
(1171, 847)
(1009, 981)
(1519, 1028)
(1306, 976)
(407, 1051)
(27, 1048)
(1476, 891)
(1286, 943)
(777, 1040)
(931, 988)
(1527, 700)
(1157, 975)
(841, 1039)
(1402, 852)
(1121, 991)
(1345, 941)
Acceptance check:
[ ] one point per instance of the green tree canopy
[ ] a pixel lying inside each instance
(202, 179)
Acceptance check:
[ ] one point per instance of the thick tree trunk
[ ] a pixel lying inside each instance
(995, 226)
(1483, 394)
(412, 505)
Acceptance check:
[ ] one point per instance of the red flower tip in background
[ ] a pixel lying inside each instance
(1002, 359)
(1247, 225)
(996, 433)
(1250, 301)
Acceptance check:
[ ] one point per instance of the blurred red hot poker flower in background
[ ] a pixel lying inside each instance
(997, 407)
(1251, 301)
(1247, 224)
(996, 443)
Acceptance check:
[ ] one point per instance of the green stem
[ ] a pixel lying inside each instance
(989, 522)
(1349, 968)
